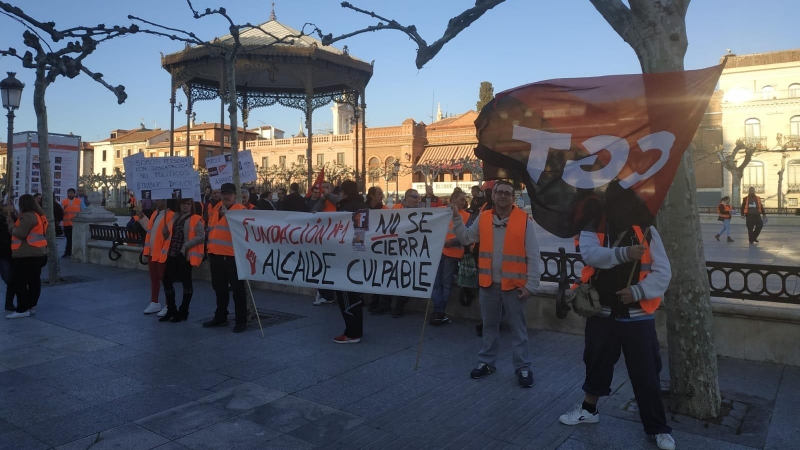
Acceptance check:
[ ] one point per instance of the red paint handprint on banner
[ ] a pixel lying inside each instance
(251, 256)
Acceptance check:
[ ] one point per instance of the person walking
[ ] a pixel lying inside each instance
(28, 255)
(183, 249)
(451, 255)
(71, 206)
(508, 274)
(5, 254)
(152, 249)
(753, 211)
(614, 249)
(350, 303)
(224, 276)
(725, 218)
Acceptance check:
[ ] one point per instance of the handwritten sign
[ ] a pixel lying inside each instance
(163, 177)
(394, 252)
(129, 167)
(220, 169)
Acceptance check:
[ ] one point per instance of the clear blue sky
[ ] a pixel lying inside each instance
(520, 41)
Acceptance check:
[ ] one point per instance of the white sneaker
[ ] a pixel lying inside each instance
(664, 441)
(163, 312)
(153, 308)
(32, 311)
(320, 300)
(18, 315)
(579, 415)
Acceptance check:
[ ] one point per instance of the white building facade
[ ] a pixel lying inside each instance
(761, 106)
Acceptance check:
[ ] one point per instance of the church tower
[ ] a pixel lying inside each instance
(342, 115)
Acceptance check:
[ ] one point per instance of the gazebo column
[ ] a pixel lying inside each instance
(309, 134)
(364, 138)
(172, 118)
(222, 81)
(245, 117)
(189, 119)
(359, 181)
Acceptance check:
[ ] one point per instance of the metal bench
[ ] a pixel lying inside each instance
(117, 236)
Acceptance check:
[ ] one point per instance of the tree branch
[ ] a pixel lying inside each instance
(118, 91)
(425, 52)
(617, 15)
(11, 52)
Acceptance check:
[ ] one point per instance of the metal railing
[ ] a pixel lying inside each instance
(739, 281)
(756, 142)
(788, 211)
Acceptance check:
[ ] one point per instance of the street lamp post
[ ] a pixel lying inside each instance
(11, 89)
(396, 170)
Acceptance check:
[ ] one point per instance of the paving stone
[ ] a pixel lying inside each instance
(243, 397)
(287, 442)
(51, 368)
(20, 440)
(251, 369)
(27, 409)
(144, 403)
(237, 433)
(328, 428)
(184, 419)
(749, 378)
(783, 431)
(100, 391)
(336, 392)
(292, 379)
(128, 437)
(28, 356)
(75, 425)
(287, 413)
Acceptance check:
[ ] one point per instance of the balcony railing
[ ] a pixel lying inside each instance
(756, 142)
(760, 189)
(763, 96)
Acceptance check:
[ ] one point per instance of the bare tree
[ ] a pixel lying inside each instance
(49, 64)
(729, 162)
(656, 31)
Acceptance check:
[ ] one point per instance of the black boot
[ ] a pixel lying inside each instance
(171, 309)
(183, 311)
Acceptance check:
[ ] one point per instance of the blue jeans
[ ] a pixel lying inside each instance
(444, 283)
(726, 228)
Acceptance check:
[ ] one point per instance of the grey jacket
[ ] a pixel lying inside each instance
(472, 234)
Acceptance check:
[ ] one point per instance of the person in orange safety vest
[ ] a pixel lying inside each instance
(753, 212)
(183, 249)
(451, 256)
(152, 249)
(72, 205)
(28, 254)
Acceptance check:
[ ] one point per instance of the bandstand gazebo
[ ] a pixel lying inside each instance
(274, 65)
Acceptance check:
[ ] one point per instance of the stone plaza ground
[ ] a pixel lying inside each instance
(90, 371)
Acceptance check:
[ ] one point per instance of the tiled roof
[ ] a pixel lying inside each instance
(208, 126)
(137, 136)
(463, 120)
(760, 59)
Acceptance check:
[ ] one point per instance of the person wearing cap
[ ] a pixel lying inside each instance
(152, 249)
(224, 276)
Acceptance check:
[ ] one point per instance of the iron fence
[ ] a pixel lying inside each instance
(727, 280)
(768, 211)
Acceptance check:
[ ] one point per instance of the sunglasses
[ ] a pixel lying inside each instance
(414, 196)
(504, 193)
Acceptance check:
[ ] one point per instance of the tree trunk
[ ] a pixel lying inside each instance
(736, 187)
(39, 106)
(692, 357)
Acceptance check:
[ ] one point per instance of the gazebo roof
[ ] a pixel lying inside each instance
(271, 62)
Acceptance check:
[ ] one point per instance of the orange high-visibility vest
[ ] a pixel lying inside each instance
(71, 209)
(220, 241)
(727, 213)
(249, 206)
(648, 305)
(514, 263)
(458, 251)
(747, 205)
(155, 238)
(329, 207)
(37, 236)
(397, 206)
(195, 253)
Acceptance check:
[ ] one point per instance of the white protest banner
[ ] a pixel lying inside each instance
(220, 170)
(165, 177)
(392, 251)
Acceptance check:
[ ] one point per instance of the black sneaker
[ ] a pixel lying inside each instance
(481, 370)
(525, 378)
(240, 328)
(215, 323)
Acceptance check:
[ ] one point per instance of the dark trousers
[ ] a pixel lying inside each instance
(754, 226)
(68, 235)
(178, 269)
(327, 294)
(224, 278)
(380, 302)
(637, 340)
(26, 280)
(350, 303)
(5, 273)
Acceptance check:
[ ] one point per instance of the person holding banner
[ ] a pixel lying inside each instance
(616, 251)
(351, 303)
(152, 248)
(451, 255)
(183, 249)
(508, 274)
(224, 276)
(327, 202)
(379, 304)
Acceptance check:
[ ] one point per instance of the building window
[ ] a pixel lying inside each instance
(340, 158)
(152, 154)
(320, 159)
(374, 170)
(301, 159)
(164, 154)
(794, 127)
(767, 93)
(119, 154)
(178, 153)
(209, 153)
(104, 171)
(227, 139)
(792, 202)
(104, 155)
(282, 162)
(197, 137)
(265, 161)
(141, 150)
(793, 176)
(753, 177)
(794, 92)
(389, 164)
(130, 152)
(189, 153)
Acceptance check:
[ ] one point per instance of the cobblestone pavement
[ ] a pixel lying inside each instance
(90, 371)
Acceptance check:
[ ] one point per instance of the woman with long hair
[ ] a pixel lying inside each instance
(28, 254)
(183, 235)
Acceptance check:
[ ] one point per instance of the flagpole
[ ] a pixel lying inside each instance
(421, 336)
(255, 307)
